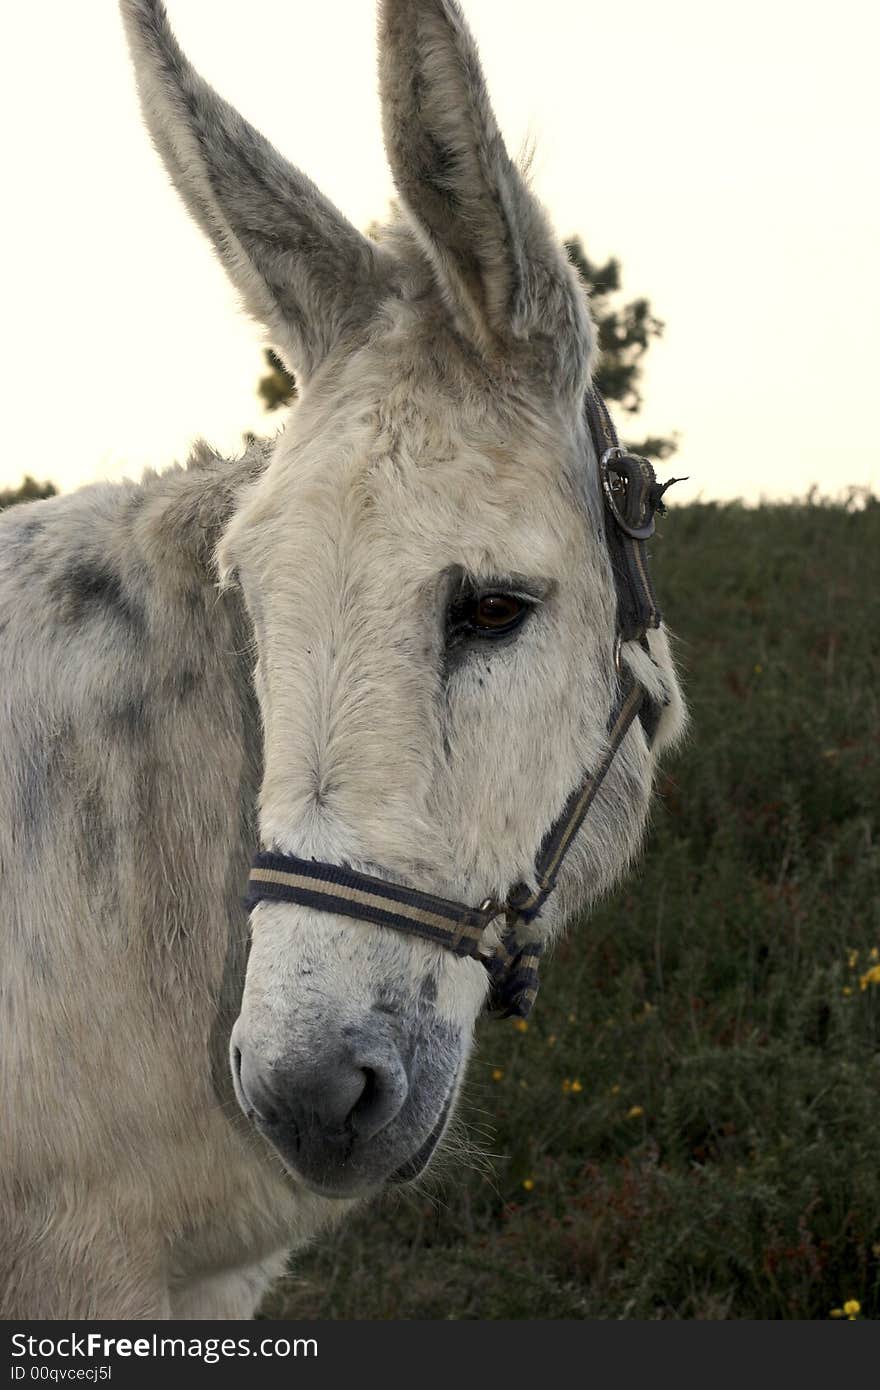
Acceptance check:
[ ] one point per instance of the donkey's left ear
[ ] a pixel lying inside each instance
(299, 266)
(487, 236)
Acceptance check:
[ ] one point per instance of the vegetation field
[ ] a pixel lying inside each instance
(689, 1127)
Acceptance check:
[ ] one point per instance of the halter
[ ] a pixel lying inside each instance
(631, 496)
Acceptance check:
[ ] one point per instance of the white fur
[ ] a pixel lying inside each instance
(439, 433)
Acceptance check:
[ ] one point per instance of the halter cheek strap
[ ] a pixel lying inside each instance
(631, 496)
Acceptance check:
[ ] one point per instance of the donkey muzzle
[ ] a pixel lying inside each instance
(325, 1115)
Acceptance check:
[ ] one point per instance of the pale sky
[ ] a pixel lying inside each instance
(726, 153)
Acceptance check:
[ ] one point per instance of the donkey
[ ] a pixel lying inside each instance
(384, 642)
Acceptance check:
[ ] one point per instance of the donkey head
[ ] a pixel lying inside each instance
(432, 602)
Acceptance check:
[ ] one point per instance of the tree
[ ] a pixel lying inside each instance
(278, 387)
(30, 491)
(625, 334)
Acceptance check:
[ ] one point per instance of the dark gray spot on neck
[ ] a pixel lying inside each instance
(130, 719)
(96, 838)
(87, 591)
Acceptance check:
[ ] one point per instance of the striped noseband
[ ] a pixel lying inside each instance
(631, 496)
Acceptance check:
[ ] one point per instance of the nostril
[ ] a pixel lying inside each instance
(368, 1095)
(244, 1102)
(384, 1091)
(332, 1105)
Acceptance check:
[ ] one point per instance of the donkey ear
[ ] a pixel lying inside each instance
(486, 234)
(299, 266)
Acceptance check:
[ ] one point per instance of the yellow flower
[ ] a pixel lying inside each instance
(852, 958)
(874, 954)
(521, 1025)
(497, 1073)
(566, 1085)
(836, 1313)
(614, 1091)
(847, 989)
(852, 1307)
(870, 977)
(528, 1184)
(576, 1085)
(635, 1111)
(758, 668)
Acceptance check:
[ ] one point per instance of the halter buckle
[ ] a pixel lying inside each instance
(618, 471)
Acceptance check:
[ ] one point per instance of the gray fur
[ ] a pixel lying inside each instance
(300, 267)
(156, 725)
(483, 230)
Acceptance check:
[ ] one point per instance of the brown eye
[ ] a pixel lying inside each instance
(497, 612)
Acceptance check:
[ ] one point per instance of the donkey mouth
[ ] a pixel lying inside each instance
(371, 1184)
(407, 1172)
(418, 1162)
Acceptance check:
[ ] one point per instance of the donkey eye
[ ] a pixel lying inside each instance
(496, 613)
(481, 614)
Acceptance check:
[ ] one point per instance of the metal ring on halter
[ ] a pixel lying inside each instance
(616, 451)
(493, 906)
(637, 533)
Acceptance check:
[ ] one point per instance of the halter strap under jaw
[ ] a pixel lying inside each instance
(631, 496)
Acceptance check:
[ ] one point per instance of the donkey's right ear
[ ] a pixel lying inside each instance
(301, 269)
